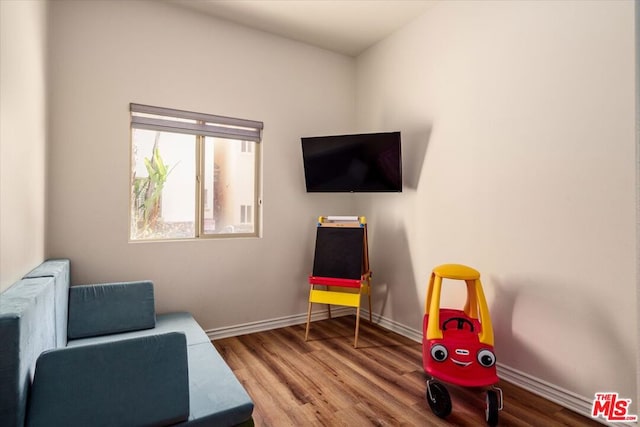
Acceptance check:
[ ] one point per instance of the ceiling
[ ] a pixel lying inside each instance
(344, 26)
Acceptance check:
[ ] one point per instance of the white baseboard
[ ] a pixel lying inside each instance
(542, 388)
(551, 392)
(565, 398)
(267, 325)
(396, 327)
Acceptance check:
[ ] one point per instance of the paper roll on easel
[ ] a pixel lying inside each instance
(341, 218)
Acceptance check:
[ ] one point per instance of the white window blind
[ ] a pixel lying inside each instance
(179, 121)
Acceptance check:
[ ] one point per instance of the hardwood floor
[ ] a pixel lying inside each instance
(326, 382)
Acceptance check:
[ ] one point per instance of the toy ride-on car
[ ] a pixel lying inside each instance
(457, 345)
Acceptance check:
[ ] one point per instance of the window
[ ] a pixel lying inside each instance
(193, 175)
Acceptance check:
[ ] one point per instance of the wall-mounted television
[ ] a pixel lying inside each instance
(367, 162)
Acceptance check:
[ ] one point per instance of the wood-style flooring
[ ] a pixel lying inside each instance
(326, 382)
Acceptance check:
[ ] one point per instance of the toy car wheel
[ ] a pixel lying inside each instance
(492, 408)
(438, 399)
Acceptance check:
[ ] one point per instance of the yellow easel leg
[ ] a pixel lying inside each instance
(355, 342)
(369, 295)
(306, 333)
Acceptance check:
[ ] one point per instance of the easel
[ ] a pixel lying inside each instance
(341, 266)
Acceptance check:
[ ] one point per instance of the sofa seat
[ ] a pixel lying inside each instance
(216, 396)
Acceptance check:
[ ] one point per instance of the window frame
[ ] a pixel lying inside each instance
(206, 125)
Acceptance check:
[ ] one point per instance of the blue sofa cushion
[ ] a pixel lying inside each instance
(110, 308)
(83, 386)
(217, 397)
(166, 322)
(59, 270)
(27, 319)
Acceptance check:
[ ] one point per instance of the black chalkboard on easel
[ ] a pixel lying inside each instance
(340, 252)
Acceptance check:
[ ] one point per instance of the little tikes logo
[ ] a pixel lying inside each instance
(612, 408)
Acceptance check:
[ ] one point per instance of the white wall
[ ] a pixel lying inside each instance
(105, 55)
(637, 92)
(23, 27)
(519, 139)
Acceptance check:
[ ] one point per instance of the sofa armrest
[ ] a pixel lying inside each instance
(110, 308)
(133, 382)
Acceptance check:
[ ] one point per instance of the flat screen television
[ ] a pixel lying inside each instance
(368, 162)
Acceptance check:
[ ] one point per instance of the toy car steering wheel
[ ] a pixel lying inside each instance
(461, 321)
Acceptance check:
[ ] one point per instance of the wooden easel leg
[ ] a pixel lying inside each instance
(306, 333)
(370, 315)
(355, 342)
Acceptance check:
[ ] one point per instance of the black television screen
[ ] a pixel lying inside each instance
(369, 162)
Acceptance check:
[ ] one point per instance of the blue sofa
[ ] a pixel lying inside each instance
(99, 355)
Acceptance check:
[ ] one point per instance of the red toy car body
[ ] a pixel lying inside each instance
(459, 357)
